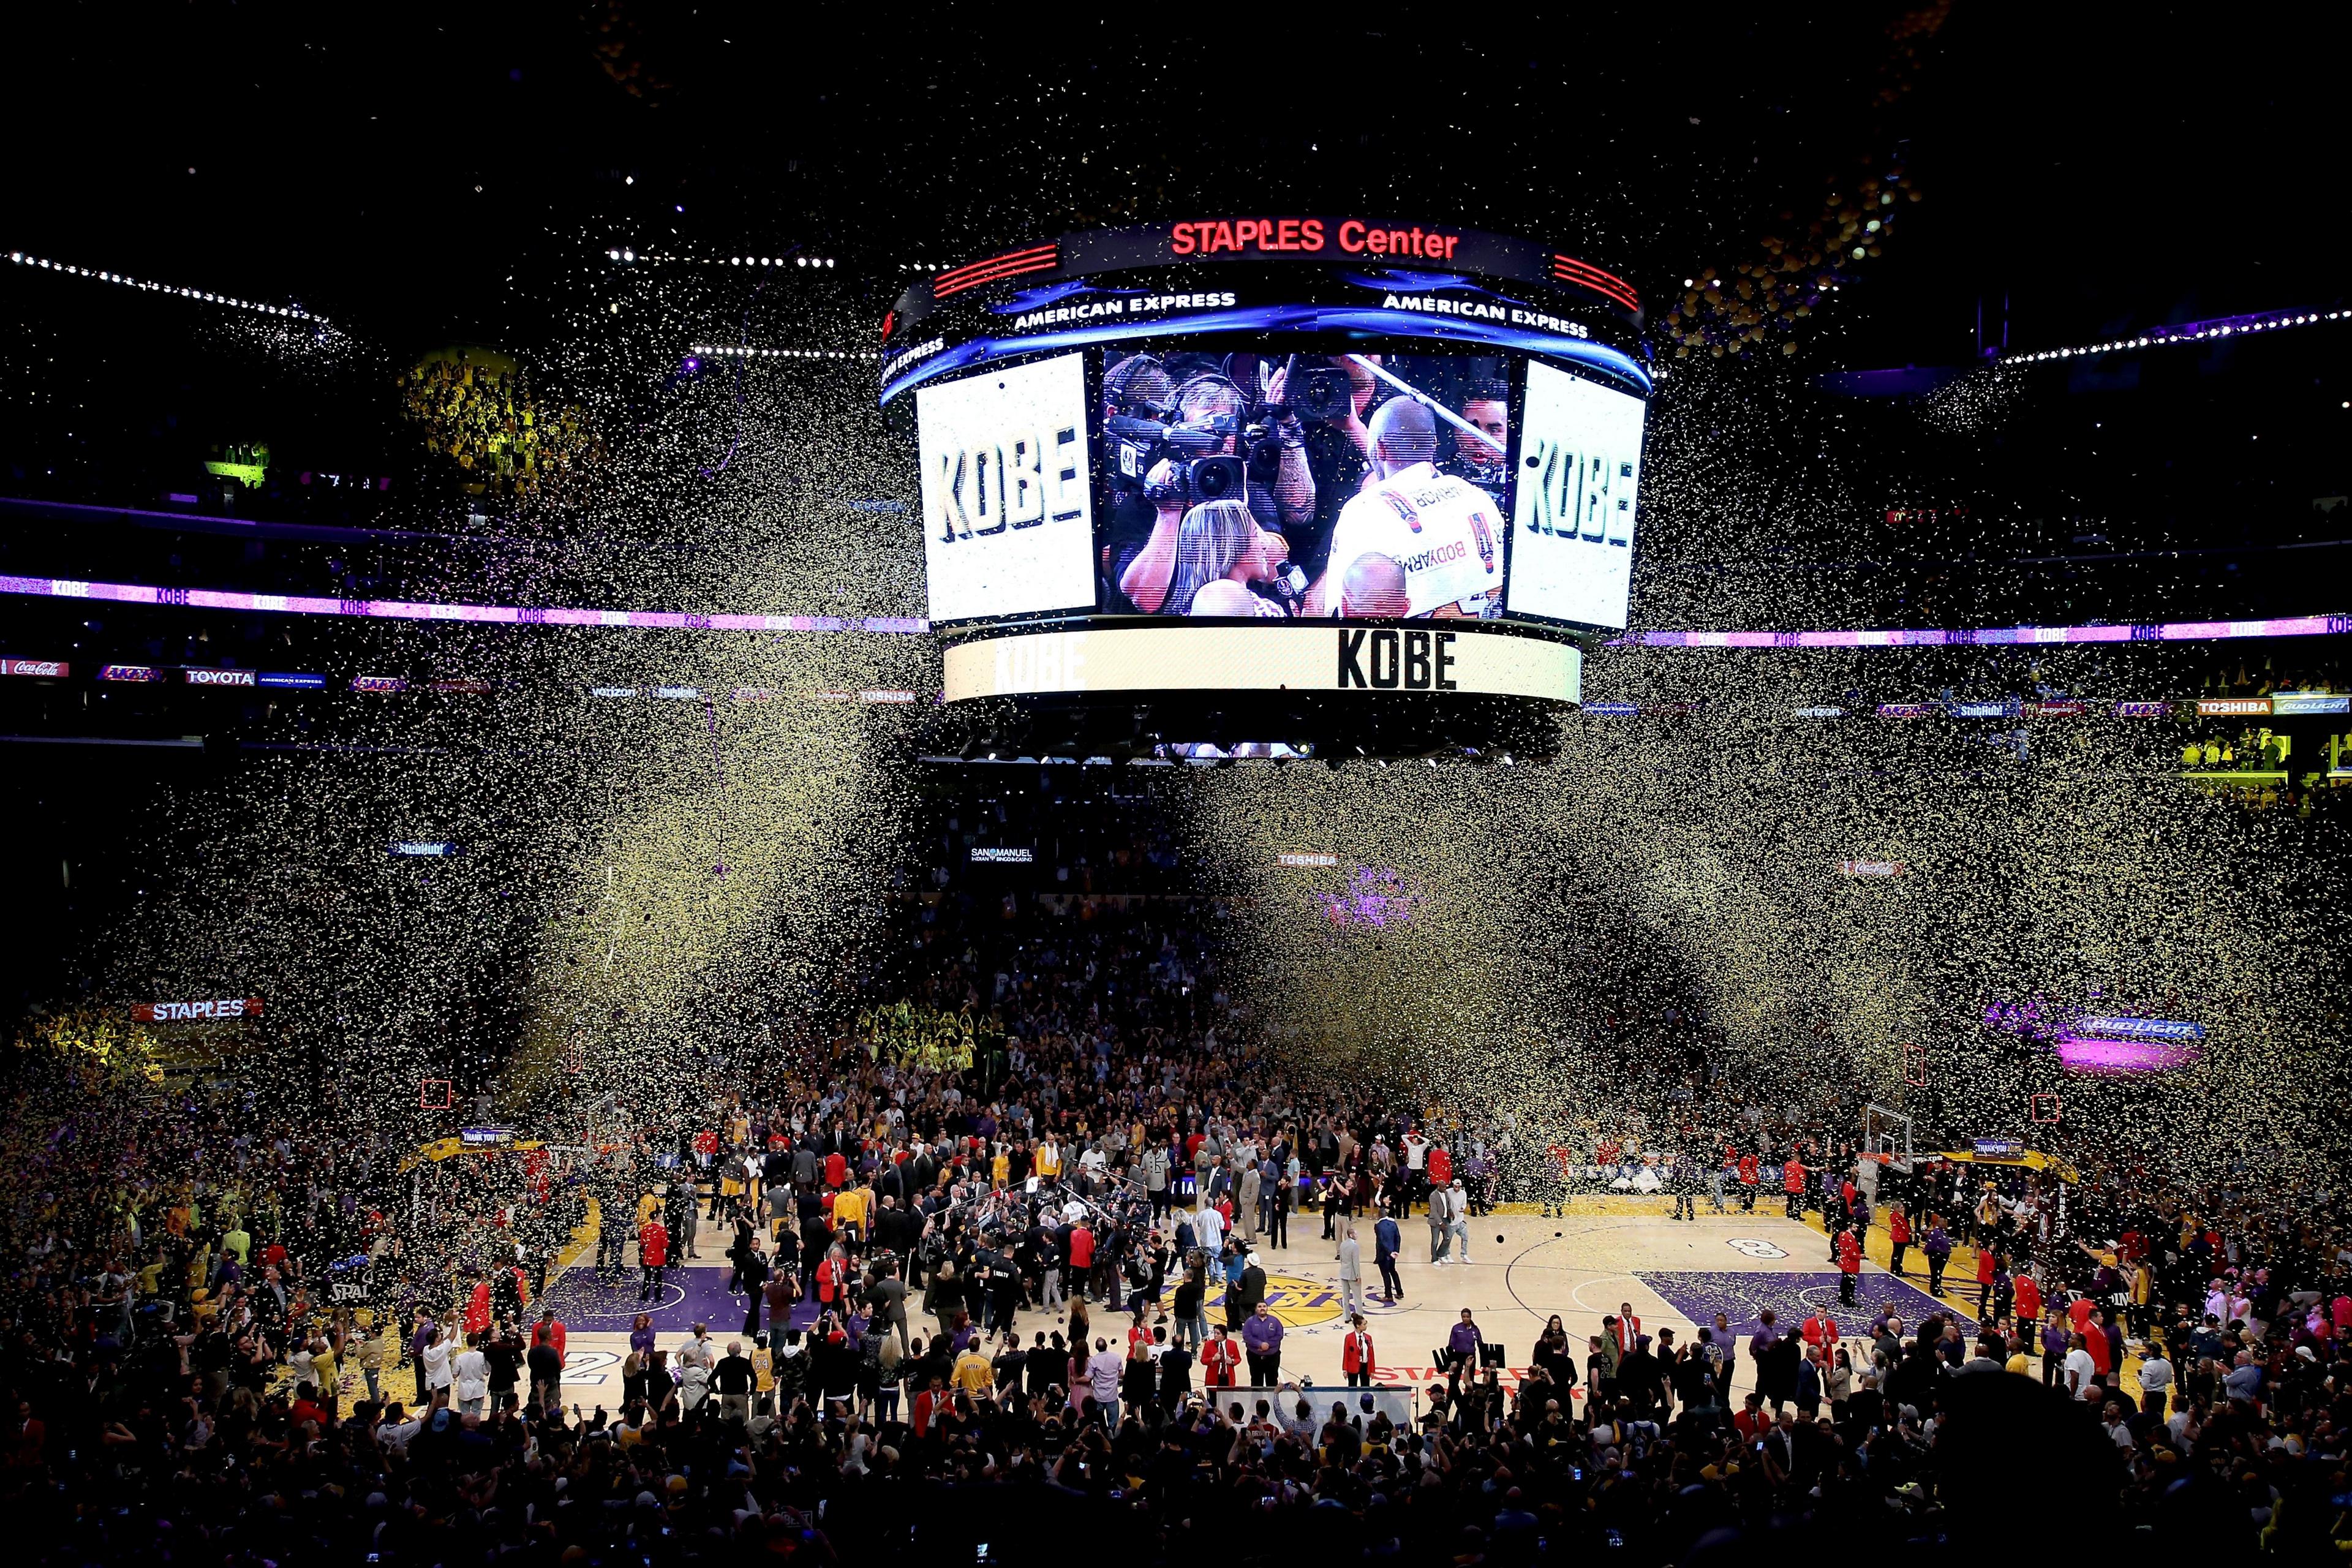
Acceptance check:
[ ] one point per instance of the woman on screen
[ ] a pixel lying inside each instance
(1219, 550)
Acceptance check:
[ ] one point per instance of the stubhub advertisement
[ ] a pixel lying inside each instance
(1573, 515)
(1008, 510)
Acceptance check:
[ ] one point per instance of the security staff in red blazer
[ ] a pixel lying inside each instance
(1356, 1358)
(1219, 1357)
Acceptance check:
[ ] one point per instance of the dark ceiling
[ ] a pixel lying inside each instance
(421, 169)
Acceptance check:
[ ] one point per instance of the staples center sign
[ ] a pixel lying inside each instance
(1308, 237)
(197, 1012)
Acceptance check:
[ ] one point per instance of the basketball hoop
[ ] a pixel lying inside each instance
(1886, 1137)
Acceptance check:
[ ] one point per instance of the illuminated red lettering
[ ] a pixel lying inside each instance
(1223, 239)
(1377, 242)
(1416, 249)
(1180, 241)
(1401, 242)
(1245, 232)
(1285, 234)
(1358, 243)
(1310, 234)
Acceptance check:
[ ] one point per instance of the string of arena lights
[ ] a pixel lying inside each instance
(43, 263)
(916, 626)
(2186, 332)
(623, 254)
(743, 350)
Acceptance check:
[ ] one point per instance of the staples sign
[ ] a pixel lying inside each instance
(1313, 236)
(197, 1012)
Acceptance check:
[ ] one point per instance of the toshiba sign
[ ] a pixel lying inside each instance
(197, 1012)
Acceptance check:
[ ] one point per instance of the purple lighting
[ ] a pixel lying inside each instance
(1375, 898)
(2166, 631)
(499, 615)
(2119, 1058)
(916, 626)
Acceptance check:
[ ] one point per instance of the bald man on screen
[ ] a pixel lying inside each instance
(1374, 587)
(1441, 534)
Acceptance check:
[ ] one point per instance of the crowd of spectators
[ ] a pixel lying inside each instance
(183, 1378)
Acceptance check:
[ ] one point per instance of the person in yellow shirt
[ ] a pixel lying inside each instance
(849, 1212)
(1000, 1168)
(974, 1375)
(763, 1375)
(1049, 1159)
(326, 1374)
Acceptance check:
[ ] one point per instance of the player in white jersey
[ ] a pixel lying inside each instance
(1415, 541)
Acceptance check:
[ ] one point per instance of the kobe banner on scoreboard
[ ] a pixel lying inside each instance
(1267, 483)
(1008, 506)
(1572, 525)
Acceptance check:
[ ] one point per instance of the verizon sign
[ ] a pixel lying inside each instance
(197, 1012)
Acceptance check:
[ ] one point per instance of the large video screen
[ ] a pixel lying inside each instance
(1008, 493)
(1579, 466)
(1261, 482)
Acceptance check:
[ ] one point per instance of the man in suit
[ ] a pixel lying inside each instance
(1441, 1223)
(1352, 1272)
(1386, 1240)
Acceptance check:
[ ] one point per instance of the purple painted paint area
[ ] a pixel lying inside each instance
(1793, 1297)
(688, 1296)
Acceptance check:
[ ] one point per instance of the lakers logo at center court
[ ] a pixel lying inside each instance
(1299, 1303)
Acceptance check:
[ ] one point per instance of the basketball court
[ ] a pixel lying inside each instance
(1606, 1253)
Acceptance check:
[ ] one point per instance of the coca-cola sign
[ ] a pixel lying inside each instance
(55, 668)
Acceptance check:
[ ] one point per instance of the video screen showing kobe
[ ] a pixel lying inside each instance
(1271, 483)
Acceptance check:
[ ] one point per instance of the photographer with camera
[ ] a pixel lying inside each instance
(1214, 444)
